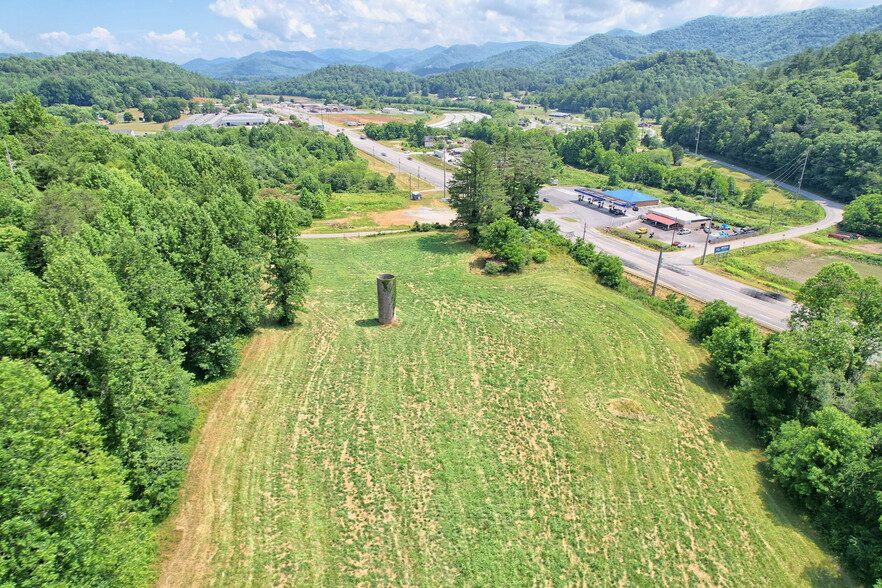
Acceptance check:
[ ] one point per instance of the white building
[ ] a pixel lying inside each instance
(244, 119)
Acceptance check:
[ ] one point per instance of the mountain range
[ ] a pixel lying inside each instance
(435, 59)
(754, 40)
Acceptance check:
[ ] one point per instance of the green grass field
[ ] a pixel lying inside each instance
(525, 430)
(785, 265)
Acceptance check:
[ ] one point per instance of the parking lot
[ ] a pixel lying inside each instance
(686, 237)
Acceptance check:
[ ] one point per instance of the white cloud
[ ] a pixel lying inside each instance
(387, 24)
(175, 42)
(229, 37)
(10, 44)
(279, 18)
(97, 38)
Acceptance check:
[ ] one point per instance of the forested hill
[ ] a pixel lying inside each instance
(827, 101)
(649, 85)
(351, 83)
(755, 39)
(110, 81)
(128, 268)
(520, 58)
(346, 82)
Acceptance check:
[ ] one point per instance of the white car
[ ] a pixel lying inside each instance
(684, 231)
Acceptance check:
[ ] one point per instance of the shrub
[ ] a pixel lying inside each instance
(507, 241)
(610, 270)
(493, 267)
(583, 252)
(540, 255)
(715, 314)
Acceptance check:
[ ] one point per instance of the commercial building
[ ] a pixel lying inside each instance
(668, 217)
(244, 119)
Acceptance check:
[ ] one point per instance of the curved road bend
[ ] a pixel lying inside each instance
(678, 270)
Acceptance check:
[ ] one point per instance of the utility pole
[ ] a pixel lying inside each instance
(707, 233)
(771, 214)
(657, 269)
(584, 229)
(804, 164)
(697, 138)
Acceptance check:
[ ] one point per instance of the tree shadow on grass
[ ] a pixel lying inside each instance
(821, 576)
(268, 323)
(366, 323)
(729, 427)
(733, 429)
(443, 243)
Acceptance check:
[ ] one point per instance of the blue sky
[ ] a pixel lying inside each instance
(180, 30)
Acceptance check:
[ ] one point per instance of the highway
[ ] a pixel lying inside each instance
(457, 117)
(678, 270)
(395, 158)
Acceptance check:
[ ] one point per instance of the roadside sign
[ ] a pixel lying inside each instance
(721, 249)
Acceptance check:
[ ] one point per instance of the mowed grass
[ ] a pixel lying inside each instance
(527, 430)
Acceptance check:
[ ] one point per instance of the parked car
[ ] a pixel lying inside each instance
(679, 244)
(642, 231)
(684, 231)
(545, 200)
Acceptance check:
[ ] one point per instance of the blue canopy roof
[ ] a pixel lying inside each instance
(632, 196)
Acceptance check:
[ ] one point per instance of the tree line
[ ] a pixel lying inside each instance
(814, 393)
(129, 268)
(356, 83)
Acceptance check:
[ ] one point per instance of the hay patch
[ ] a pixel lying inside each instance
(628, 408)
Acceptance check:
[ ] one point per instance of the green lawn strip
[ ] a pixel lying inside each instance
(785, 265)
(341, 205)
(510, 430)
(640, 240)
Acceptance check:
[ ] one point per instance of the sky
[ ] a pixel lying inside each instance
(181, 30)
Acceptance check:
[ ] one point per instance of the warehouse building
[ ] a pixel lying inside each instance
(244, 119)
(668, 217)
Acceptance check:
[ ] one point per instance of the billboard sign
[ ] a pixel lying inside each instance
(721, 249)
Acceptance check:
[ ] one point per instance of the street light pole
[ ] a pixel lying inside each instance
(707, 233)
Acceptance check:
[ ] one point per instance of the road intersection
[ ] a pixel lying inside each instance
(678, 270)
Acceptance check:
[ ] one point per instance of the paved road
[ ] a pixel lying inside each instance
(678, 270)
(396, 158)
(457, 117)
(350, 234)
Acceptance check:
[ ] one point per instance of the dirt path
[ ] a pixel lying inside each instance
(209, 492)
